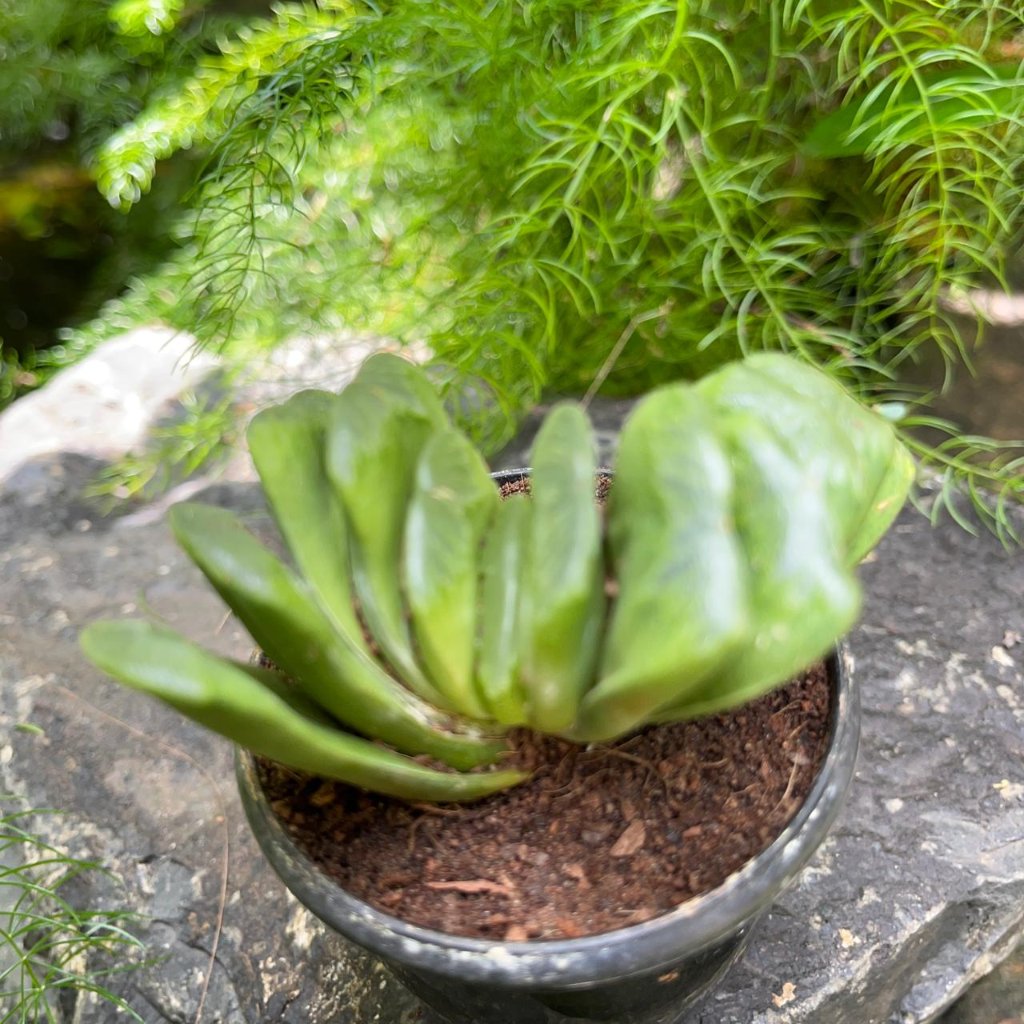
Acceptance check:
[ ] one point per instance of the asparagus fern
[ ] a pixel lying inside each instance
(551, 194)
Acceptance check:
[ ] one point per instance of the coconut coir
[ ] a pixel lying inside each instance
(598, 838)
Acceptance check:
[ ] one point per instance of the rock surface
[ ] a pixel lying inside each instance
(918, 891)
(104, 405)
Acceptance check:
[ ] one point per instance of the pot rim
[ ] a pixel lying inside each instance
(652, 945)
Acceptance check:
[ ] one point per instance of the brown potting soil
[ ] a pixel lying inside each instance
(598, 838)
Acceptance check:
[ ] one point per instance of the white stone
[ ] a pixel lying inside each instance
(104, 405)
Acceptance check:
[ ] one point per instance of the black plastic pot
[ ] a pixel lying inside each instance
(645, 974)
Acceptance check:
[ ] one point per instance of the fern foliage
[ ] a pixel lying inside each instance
(622, 192)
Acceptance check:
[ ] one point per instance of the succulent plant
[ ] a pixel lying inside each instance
(422, 617)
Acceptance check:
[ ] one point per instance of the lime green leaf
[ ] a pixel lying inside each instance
(142, 17)
(503, 559)
(286, 622)
(381, 423)
(886, 502)
(287, 445)
(682, 605)
(563, 584)
(452, 503)
(804, 595)
(867, 478)
(242, 704)
(816, 439)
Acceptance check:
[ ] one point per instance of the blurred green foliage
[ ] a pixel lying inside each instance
(556, 197)
(70, 74)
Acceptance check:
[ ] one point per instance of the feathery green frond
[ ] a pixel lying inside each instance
(51, 946)
(629, 191)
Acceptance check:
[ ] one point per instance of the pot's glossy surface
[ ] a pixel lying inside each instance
(644, 974)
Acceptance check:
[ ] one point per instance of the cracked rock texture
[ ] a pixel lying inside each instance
(918, 891)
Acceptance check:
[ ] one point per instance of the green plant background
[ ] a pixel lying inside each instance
(555, 196)
(70, 74)
(550, 196)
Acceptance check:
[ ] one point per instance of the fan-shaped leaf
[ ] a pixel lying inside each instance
(682, 604)
(803, 594)
(380, 425)
(503, 559)
(852, 452)
(287, 445)
(563, 583)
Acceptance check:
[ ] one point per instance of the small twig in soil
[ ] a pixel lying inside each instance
(733, 799)
(796, 732)
(789, 707)
(471, 886)
(651, 769)
(414, 828)
(713, 764)
(577, 790)
(789, 788)
(450, 812)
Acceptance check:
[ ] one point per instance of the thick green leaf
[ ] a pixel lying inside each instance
(452, 503)
(503, 559)
(815, 439)
(804, 594)
(682, 605)
(852, 452)
(251, 709)
(404, 383)
(287, 623)
(381, 423)
(885, 504)
(563, 584)
(865, 495)
(287, 443)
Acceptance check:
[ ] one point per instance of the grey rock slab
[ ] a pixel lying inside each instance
(327, 361)
(144, 791)
(918, 891)
(996, 1000)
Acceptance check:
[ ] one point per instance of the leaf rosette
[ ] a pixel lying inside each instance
(421, 617)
